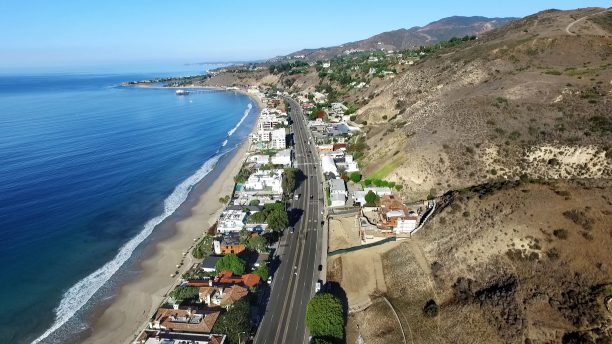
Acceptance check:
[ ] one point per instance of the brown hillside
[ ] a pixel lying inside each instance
(522, 263)
(529, 98)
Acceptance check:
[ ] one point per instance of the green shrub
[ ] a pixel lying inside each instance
(355, 177)
(431, 309)
(262, 272)
(324, 316)
(181, 294)
(203, 247)
(371, 198)
(232, 263)
(561, 233)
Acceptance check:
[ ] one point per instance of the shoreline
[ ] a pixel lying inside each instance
(137, 299)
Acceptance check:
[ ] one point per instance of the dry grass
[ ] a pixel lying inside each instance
(556, 283)
(343, 233)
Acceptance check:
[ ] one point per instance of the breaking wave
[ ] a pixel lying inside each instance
(246, 113)
(79, 294)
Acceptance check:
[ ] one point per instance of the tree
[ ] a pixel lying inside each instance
(371, 198)
(258, 217)
(181, 294)
(262, 272)
(324, 316)
(367, 182)
(236, 322)
(355, 177)
(254, 202)
(232, 263)
(288, 182)
(257, 243)
(278, 220)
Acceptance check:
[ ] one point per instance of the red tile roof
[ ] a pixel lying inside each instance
(249, 280)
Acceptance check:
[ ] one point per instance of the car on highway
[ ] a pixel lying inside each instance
(311, 196)
(320, 267)
(291, 230)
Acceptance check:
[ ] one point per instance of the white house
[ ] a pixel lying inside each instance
(337, 200)
(282, 158)
(351, 165)
(380, 191)
(231, 221)
(359, 197)
(278, 139)
(337, 192)
(328, 164)
(265, 181)
(259, 159)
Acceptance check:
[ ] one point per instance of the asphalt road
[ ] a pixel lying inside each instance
(294, 281)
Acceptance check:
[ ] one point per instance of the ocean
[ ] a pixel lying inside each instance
(87, 171)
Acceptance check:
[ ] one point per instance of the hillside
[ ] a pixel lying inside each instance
(403, 39)
(501, 264)
(512, 134)
(528, 99)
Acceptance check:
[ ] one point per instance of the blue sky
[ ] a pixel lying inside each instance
(58, 32)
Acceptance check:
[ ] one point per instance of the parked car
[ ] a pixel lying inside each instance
(291, 230)
(320, 267)
(269, 279)
(318, 286)
(296, 197)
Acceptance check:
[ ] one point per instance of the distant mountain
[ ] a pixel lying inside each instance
(402, 39)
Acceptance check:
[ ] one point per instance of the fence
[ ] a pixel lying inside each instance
(357, 248)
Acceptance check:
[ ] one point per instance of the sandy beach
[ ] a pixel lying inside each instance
(136, 301)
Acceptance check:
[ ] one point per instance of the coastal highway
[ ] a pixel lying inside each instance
(294, 281)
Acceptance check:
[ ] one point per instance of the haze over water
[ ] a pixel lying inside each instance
(87, 168)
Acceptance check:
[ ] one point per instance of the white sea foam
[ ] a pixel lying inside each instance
(80, 293)
(246, 113)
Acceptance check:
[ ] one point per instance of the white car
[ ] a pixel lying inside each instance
(318, 287)
(269, 279)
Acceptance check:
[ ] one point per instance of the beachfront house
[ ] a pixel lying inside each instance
(209, 263)
(149, 336)
(231, 221)
(229, 244)
(259, 159)
(264, 182)
(184, 320)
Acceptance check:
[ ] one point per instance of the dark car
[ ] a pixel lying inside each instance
(311, 196)
(320, 267)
